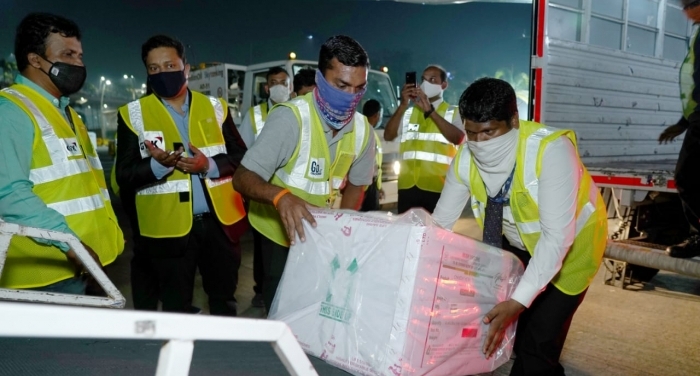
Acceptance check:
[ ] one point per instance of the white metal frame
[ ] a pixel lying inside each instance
(114, 298)
(179, 330)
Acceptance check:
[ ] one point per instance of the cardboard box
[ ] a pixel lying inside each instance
(376, 294)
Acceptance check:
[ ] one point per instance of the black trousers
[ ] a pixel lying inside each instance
(542, 328)
(415, 197)
(258, 270)
(371, 200)
(171, 279)
(274, 258)
(687, 176)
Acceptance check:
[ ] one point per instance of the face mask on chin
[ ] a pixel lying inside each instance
(279, 93)
(67, 78)
(167, 84)
(431, 90)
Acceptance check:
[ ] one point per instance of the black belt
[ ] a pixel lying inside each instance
(201, 216)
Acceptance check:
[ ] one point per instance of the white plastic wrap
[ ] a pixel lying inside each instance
(376, 294)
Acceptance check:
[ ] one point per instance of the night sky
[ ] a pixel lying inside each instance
(470, 40)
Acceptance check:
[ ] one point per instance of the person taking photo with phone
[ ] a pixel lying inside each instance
(430, 131)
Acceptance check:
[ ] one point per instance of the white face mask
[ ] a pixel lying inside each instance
(495, 159)
(431, 90)
(279, 93)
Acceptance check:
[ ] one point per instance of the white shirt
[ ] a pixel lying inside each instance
(246, 128)
(456, 119)
(557, 196)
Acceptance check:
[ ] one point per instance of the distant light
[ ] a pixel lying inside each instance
(143, 86)
(292, 55)
(310, 37)
(105, 105)
(126, 76)
(132, 76)
(108, 82)
(102, 78)
(89, 106)
(385, 69)
(379, 91)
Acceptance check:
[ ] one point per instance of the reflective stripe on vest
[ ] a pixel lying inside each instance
(168, 186)
(136, 120)
(532, 147)
(218, 110)
(258, 119)
(78, 205)
(425, 156)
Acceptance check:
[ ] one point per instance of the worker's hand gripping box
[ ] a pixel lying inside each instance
(376, 294)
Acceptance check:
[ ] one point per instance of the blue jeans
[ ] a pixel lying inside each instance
(67, 286)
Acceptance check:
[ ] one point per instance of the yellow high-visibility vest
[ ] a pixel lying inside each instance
(67, 175)
(310, 173)
(164, 209)
(586, 253)
(425, 153)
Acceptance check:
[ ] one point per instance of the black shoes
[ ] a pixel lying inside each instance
(688, 249)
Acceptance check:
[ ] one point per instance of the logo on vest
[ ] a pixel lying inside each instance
(316, 167)
(72, 146)
(413, 127)
(156, 138)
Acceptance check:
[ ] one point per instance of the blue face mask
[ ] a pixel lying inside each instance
(336, 106)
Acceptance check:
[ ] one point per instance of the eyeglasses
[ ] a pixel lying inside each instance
(692, 5)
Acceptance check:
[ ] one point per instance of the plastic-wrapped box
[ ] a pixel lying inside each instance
(376, 294)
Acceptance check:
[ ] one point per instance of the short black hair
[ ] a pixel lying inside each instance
(347, 50)
(304, 78)
(488, 99)
(371, 107)
(275, 70)
(158, 41)
(443, 72)
(33, 31)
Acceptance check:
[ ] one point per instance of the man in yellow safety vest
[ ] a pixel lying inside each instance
(428, 132)
(312, 147)
(178, 150)
(532, 196)
(50, 173)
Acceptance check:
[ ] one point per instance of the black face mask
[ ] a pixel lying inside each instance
(67, 78)
(167, 84)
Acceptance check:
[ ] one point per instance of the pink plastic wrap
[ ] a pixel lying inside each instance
(376, 294)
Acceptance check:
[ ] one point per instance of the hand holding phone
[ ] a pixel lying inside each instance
(411, 78)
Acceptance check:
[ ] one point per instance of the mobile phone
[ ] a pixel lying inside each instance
(411, 78)
(177, 146)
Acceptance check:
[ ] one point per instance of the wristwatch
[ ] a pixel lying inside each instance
(427, 113)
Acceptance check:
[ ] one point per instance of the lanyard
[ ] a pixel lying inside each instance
(501, 196)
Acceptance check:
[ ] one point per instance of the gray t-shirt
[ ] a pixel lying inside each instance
(280, 136)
